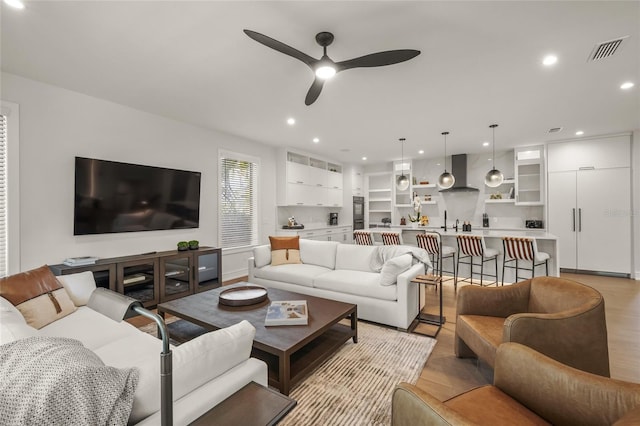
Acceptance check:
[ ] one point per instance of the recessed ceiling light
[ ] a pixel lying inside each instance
(549, 60)
(437, 164)
(291, 121)
(364, 158)
(18, 4)
(421, 151)
(316, 140)
(485, 143)
(579, 133)
(488, 159)
(627, 85)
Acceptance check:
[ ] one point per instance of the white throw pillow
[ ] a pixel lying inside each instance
(394, 267)
(194, 363)
(262, 255)
(79, 286)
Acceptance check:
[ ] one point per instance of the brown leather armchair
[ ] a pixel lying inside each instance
(529, 389)
(560, 318)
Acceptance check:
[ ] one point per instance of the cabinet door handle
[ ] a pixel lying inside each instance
(573, 218)
(299, 181)
(318, 184)
(579, 220)
(587, 168)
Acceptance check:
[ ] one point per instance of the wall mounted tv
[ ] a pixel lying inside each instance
(121, 197)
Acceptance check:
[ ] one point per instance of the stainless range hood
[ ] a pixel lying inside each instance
(459, 171)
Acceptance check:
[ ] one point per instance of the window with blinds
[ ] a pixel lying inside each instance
(4, 252)
(238, 212)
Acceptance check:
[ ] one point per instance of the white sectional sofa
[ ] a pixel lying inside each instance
(346, 273)
(206, 370)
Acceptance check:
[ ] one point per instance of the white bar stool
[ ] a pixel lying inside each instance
(391, 238)
(471, 246)
(362, 238)
(431, 242)
(526, 249)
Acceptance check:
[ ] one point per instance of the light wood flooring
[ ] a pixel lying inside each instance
(444, 375)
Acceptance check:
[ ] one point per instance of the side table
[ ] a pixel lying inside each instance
(253, 405)
(437, 320)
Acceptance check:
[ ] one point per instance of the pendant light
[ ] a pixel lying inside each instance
(446, 179)
(402, 182)
(495, 177)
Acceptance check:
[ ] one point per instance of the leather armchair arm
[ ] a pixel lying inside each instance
(494, 302)
(577, 338)
(414, 407)
(561, 394)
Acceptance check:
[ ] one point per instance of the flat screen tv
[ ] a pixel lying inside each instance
(121, 197)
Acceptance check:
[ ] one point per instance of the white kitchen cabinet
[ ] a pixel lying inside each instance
(590, 213)
(357, 182)
(341, 234)
(378, 199)
(597, 153)
(308, 181)
(529, 176)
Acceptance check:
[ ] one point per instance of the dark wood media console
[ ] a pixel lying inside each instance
(156, 277)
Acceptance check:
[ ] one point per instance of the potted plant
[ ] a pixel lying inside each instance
(183, 245)
(194, 244)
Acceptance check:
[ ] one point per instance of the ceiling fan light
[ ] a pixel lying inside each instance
(446, 180)
(402, 183)
(325, 72)
(494, 178)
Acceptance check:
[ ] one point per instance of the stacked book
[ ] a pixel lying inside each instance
(290, 312)
(80, 261)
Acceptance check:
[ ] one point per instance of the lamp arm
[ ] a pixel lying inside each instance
(166, 367)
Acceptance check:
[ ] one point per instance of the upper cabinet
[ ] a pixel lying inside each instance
(305, 180)
(529, 179)
(598, 153)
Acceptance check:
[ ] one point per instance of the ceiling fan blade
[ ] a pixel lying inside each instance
(314, 91)
(281, 47)
(379, 59)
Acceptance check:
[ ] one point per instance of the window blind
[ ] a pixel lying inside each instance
(238, 202)
(3, 197)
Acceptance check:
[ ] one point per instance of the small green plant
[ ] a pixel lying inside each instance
(194, 244)
(183, 245)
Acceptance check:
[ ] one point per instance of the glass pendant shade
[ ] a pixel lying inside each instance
(402, 183)
(494, 178)
(446, 180)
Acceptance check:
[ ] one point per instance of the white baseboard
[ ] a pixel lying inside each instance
(232, 275)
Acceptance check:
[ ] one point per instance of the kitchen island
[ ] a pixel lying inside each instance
(545, 241)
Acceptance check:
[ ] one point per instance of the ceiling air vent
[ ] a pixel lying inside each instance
(555, 129)
(606, 49)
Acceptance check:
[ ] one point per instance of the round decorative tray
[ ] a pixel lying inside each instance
(243, 296)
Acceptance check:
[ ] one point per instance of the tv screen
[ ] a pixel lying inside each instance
(120, 197)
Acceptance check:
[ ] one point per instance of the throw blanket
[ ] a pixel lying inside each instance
(57, 381)
(384, 253)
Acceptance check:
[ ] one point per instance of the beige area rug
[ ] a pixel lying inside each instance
(355, 385)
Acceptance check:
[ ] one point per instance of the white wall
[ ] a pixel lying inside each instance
(57, 124)
(635, 194)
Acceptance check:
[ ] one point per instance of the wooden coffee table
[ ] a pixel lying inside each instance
(291, 352)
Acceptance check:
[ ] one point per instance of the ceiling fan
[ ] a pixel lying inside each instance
(325, 68)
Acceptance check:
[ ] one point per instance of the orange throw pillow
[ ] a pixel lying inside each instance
(38, 295)
(285, 250)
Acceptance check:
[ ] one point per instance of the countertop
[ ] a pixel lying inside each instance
(484, 232)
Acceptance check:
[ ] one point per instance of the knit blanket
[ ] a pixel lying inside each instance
(57, 381)
(384, 253)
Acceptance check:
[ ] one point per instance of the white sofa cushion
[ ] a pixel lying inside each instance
(354, 257)
(90, 327)
(79, 286)
(13, 329)
(262, 255)
(356, 282)
(301, 274)
(194, 363)
(320, 253)
(394, 267)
